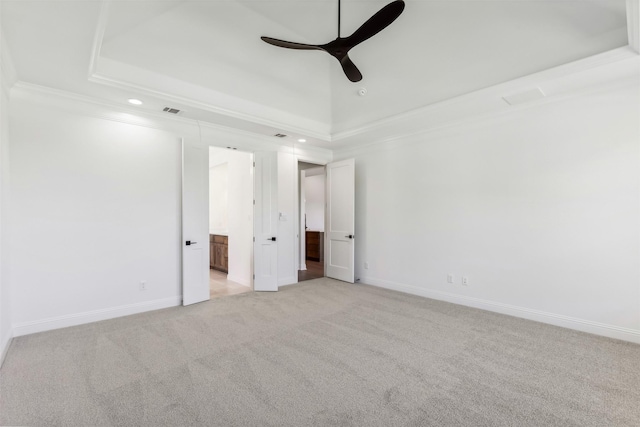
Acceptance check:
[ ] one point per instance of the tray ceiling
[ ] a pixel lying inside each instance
(208, 56)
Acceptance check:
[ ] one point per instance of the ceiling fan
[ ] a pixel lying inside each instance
(339, 48)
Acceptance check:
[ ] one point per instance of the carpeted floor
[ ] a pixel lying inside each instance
(322, 353)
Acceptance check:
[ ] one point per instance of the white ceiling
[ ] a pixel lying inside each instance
(207, 57)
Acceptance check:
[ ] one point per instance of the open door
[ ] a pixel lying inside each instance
(302, 251)
(265, 246)
(195, 224)
(340, 220)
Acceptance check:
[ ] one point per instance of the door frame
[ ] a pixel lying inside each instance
(302, 212)
(211, 136)
(252, 196)
(298, 219)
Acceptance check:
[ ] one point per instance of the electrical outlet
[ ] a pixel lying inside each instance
(143, 286)
(366, 265)
(450, 278)
(465, 280)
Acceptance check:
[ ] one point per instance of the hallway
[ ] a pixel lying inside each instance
(314, 270)
(221, 287)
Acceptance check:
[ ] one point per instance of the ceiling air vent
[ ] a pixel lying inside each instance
(279, 135)
(524, 97)
(171, 110)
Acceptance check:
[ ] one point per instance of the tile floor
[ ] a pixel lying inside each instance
(220, 286)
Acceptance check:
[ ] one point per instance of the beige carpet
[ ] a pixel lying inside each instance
(322, 353)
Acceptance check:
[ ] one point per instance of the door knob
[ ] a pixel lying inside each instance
(189, 242)
(350, 236)
(273, 239)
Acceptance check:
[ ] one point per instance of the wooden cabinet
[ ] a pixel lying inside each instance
(219, 252)
(315, 245)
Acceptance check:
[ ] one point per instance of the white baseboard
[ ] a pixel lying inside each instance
(240, 280)
(4, 346)
(33, 327)
(611, 331)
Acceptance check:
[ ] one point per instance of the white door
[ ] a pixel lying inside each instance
(340, 220)
(265, 246)
(195, 224)
(303, 224)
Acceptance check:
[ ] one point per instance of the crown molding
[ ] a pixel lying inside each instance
(479, 102)
(114, 70)
(8, 73)
(470, 123)
(98, 38)
(110, 70)
(208, 133)
(248, 141)
(434, 115)
(105, 71)
(584, 76)
(101, 109)
(633, 24)
(558, 83)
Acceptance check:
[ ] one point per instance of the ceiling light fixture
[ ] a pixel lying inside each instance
(135, 101)
(302, 140)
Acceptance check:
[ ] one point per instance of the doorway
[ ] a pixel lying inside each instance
(312, 220)
(230, 221)
(265, 221)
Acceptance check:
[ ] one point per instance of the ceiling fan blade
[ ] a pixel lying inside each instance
(350, 69)
(339, 47)
(290, 45)
(378, 22)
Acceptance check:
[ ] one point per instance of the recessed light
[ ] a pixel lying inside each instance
(135, 101)
(302, 140)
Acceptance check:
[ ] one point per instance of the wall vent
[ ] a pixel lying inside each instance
(279, 135)
(171, 110)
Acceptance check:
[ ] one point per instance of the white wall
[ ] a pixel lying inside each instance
(314, 206)
(239, 208)
(219, 199)
(5, 288)
(95, 205)
(539, 208)
(97, 191)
